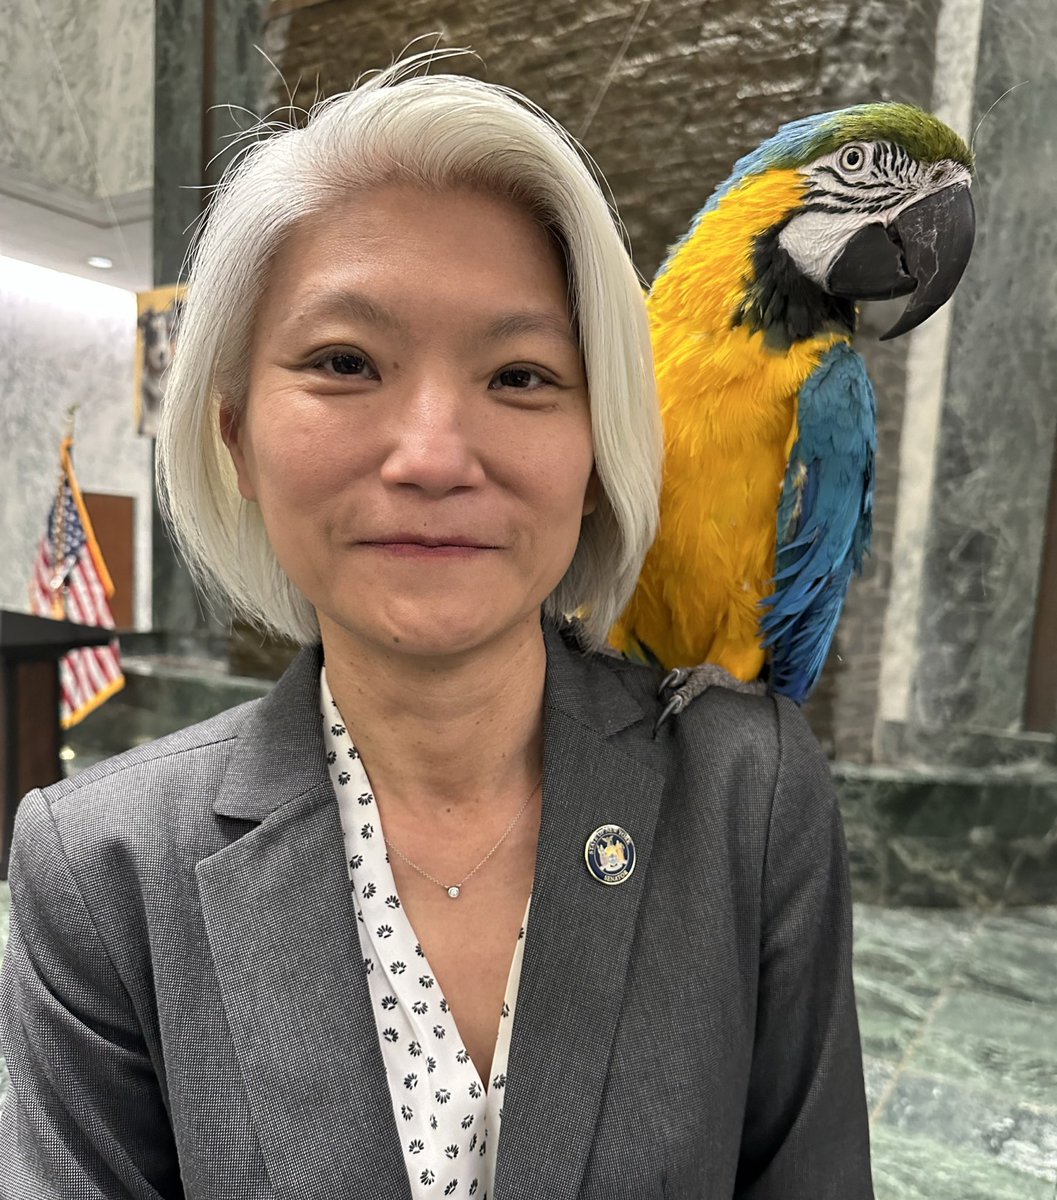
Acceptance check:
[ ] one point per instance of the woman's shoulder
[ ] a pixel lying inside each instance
(745, 740)
(190, 765)
(193, 747)
(717, 714)
(139, 800)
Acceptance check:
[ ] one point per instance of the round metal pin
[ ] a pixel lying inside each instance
(610, 854)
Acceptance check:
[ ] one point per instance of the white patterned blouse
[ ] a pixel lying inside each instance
(447, 1120)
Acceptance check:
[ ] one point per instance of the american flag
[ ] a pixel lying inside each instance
(70, 581)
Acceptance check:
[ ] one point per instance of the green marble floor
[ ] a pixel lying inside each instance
(958, 1012)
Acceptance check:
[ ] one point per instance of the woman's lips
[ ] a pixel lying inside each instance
(429, 550)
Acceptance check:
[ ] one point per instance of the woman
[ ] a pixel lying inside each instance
(445, 881)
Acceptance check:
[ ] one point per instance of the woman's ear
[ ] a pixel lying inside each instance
(232, 433)
(592, 492)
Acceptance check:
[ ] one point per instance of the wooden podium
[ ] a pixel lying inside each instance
(30, 735)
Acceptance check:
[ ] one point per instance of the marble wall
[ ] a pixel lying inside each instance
(49, 66)
(999, 419)
(954, 837)
(76, 94)
(200, 100)
(201, 103)
(177, 166)
(66, 340)
(954, 84)
(125, 120)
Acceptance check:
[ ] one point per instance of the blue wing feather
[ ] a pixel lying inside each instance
(824, 520)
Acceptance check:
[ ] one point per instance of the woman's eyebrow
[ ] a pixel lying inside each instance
(358, 307)
(352, 305)
(531, 321)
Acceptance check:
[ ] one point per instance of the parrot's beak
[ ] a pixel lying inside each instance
(923, 253)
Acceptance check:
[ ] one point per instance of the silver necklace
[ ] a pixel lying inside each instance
(454, 890)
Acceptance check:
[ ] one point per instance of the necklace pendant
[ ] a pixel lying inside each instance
(453, 892)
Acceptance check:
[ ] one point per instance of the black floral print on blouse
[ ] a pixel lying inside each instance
(448, 1122)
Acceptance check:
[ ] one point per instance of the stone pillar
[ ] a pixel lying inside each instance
(204, 57)
(981, 525)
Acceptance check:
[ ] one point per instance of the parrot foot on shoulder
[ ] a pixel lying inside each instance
(686, 683)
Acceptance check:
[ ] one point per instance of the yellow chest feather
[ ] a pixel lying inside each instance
(729, 408)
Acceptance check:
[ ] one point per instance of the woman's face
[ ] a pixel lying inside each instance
(417, 431)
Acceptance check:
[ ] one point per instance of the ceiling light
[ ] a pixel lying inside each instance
(97, 260)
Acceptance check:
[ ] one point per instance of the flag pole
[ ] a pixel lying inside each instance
(58, 601)
(71, 412)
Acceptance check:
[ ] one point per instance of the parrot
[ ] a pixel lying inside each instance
(768, 413)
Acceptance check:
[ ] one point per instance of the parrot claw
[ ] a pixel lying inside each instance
(671, 709)
(675, 678)
(685, 685)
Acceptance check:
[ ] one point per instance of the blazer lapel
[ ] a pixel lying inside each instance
(281, 926)
(580, 931)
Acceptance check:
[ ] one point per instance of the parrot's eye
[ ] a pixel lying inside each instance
(852, 158)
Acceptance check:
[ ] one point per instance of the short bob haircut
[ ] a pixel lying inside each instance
(432, 131)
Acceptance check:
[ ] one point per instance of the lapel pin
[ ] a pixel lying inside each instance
(610, 854)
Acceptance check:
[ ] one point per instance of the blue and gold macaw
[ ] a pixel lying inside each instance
(769, 415)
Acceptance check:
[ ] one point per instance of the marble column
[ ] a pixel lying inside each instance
(178, 151)
(204, 57)
(985, 525)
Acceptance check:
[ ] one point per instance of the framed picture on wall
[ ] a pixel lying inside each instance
(158, 311)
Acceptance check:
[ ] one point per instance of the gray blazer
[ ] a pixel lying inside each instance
(185, 1013)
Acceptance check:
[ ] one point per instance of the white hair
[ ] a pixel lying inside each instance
(436, 131)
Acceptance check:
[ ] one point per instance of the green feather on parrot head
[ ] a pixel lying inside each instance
(925, 138)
